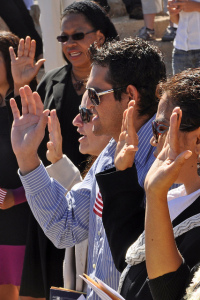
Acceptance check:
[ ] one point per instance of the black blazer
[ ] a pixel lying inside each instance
(56, 91)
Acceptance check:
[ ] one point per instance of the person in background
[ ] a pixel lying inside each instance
(150, 9)
(18, 19)
(186, 52)
(68, 222)
(172, 226)
(83, 23)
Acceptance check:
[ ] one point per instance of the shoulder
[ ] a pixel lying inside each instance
(55, 73)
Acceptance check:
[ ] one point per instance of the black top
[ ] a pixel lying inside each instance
(123, 219)
(9, 178)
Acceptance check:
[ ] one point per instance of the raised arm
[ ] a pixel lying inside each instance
(23, 67)
(162, 255)
(28, 129)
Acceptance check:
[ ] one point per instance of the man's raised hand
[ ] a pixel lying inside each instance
(28, 129)
(128, 140)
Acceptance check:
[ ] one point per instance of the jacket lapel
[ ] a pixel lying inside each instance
(59, 84)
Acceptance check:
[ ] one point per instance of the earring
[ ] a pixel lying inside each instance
(198, 166)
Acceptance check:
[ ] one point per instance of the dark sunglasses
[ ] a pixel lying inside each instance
(76, 36)
(85, 114)
(158, 129)
(95, 97)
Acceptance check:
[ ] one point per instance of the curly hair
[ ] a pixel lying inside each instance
(132, 62)
(95, 16)
(183, 90)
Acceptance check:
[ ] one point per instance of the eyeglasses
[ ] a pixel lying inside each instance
(95, 97)
(76, 36)
(85, 114)
(158, 129)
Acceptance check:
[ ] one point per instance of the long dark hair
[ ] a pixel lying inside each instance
(8, 39)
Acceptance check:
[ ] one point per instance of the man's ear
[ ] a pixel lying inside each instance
(100, 38)
(133, 93)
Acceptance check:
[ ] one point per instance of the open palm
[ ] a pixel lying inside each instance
(22, 66)
(128, 140)
(167, 166)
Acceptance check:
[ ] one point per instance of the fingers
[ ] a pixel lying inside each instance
(27, 46)
(38, 64)
(38, 103)
(32, 49)
(175, 121)
(14, 108)
(12, 54)
(20, 51)
(23, 101)
(131, 130)
(31, 102)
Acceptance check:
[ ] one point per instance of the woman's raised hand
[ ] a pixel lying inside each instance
(54, 146)
(128, 140)
(22, 66)
(167, 166)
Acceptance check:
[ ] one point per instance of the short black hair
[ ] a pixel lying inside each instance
(132, 61)
(183, 90)
(95, 15)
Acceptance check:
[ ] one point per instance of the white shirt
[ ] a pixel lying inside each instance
(188, 32)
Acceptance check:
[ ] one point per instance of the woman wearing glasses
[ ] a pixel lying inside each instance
(172, 226)
(82, 24)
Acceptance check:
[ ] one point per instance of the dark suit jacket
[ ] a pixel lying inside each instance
(55, 88)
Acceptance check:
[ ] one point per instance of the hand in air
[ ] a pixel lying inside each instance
(186, 6)
(128, 140)
(54, 146)
(167, 166)
(173, 8)
(28, 129)
(22, 66)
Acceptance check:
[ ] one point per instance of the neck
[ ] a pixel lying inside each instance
(193, 186)
(3, 92)
(81, 73)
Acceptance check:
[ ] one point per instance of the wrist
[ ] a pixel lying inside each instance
(28, 164)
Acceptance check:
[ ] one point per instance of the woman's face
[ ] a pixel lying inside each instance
(76, 51)
(89, 143)
(186, 141)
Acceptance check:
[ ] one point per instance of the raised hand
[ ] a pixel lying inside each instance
(167, 166)
(54, 146)
(28, 130)
(22, 66)
(186, 6)
(128, 140)
(173, 8)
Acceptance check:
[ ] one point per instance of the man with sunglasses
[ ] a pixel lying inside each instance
(121, 71)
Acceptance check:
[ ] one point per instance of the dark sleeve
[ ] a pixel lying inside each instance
(123, 210)
(170, 286)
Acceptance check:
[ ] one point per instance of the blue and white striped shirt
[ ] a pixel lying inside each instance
(68, 220)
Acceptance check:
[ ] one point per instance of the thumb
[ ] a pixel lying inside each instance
(181, 159)
(42, 122)
(38, 64)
